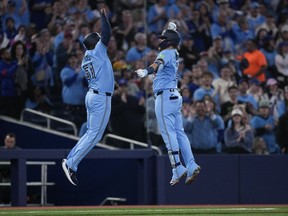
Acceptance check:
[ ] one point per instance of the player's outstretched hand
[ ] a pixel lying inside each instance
(141, 73)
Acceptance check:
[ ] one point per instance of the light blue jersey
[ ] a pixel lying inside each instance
(167, 77)
(98, 69)
(168, 106)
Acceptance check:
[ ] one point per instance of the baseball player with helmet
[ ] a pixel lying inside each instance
(99, 74)
(168, 105)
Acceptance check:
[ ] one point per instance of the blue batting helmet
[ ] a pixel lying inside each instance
(170, 38)
(91, 40)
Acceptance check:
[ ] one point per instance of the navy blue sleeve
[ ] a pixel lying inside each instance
(105, 30)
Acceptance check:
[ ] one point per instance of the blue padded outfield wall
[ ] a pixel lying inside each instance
(224, 179)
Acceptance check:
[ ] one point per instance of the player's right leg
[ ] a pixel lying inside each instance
(186, 151)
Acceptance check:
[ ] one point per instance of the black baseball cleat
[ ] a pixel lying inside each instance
(70, 174)
(191, 177)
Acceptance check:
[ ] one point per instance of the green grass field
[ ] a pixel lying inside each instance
(148, 210)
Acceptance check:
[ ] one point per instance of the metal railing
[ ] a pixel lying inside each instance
(113, 201)
(49, 118)
(131, 142)
(44, 175)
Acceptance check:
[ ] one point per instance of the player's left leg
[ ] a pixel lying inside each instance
(98, 112)
(185, 148)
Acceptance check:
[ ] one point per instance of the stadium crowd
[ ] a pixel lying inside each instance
(233, 67)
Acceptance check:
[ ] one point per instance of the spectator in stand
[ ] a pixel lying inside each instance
(57, 15)
(202, 128)
(38, 100)
(10, 11)
(281, 133)
(270, 24)
(63, 50)
(8, 91)
(139, 51)
(199, 28)
(5, 176)
(259, 146)
(274, 95)
(227, 107)
(283, 36)
(264, 126)
(127, 114)
(196, 75)
(124, 30)
(115, 54)
(10, 142)
(222, 6)
(215, 53)
(11, 30)
(205, 87)
(280, 8)
(239, 136)
(222, 83)
(22, 9)
(67, 26)
(186, 94)
(202, 63)
(222, 27)
(228, 58)
(157, 16)
(254, 18)
(188, 51)
(23, 74)
(37, 11)
(74, 89)
(82, 7)
(22, 35)
(269, 51)
(152, 41)
(283, 104)
(210, 103)
(182, 69)
(260, 34)
(179, 12)
(257, 62)
(242, 32)
(42, 61)
(246, 98)
(4, 41)
(256, 90)
(281, 63)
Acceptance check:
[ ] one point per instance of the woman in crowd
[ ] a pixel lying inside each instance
(238, 136)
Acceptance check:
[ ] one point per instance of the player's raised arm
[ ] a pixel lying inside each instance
(105, 28)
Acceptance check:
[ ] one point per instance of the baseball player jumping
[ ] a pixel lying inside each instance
(99, 74)
(168, 105)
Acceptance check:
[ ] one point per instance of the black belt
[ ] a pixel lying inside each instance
(97, 92)
(161, 92)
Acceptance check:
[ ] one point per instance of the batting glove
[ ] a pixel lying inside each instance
(141, 73)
